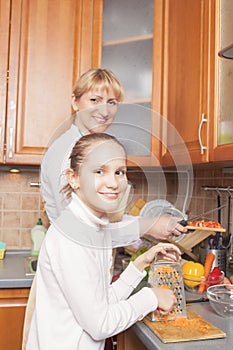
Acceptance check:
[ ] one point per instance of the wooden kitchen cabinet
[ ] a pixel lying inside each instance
(45, 45)
(181, 92)
(129, 341)
(12, 309)
(4, 40)
(182, 72)
(186, 73)
(222, 128)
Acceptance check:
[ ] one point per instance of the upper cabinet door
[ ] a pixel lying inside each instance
(222, 148)
(51, 44)
(127, 49)
(4, 42)
(184, 28)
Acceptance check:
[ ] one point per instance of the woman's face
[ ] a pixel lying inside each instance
(102, 179)
(96, 110)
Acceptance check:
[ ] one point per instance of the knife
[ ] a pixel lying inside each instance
(184, 222)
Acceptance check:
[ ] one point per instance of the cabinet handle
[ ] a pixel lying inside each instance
(11, 153)
(203, 120)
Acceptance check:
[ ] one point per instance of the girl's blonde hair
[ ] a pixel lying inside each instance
(98, 76)
(80, 151)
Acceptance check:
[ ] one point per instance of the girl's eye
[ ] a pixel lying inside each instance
(120, 172)
(99, 172)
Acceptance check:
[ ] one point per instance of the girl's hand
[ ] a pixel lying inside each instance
(160, 251)
(166, 300)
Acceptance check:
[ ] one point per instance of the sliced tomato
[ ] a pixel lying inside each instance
(202, 223)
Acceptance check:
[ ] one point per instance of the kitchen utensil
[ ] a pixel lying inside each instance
(219, 207)
(216, 241)
(221, 299)
(220, 257)
(199, 228)
(185, 222)
(193, 328)
(168, 275)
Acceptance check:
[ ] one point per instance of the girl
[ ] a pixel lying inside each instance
(76, 306)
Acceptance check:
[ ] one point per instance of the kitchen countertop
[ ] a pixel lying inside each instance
(152, 342)
(12, 271)
(12, 275)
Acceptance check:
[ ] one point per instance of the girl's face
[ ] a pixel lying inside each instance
(96, 110)
(102, 179)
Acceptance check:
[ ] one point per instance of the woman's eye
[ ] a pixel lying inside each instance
(112, 103)
(95, 100)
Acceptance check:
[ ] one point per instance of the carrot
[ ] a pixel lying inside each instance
(207, 266)
(164, 286)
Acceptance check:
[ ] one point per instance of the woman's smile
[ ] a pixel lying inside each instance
(100, 119)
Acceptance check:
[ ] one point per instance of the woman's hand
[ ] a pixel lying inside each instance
(159, 251)
(161, 227)
(166, 300)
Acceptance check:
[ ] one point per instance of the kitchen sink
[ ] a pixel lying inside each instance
(30, 265)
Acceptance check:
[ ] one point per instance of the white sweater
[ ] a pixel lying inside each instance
(76, 306)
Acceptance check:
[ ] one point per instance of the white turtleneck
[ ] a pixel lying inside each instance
(76, 305)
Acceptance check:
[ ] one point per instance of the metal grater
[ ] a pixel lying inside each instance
(168, 274)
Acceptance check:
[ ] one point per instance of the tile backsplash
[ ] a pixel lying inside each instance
(20, 207)
(21, 204)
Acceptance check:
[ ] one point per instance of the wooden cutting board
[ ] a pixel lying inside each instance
(172, 332)
(191, 239)
(220, 229)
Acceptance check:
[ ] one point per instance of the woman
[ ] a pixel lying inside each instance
(95, 100)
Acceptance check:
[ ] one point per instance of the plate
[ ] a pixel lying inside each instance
(159, 207)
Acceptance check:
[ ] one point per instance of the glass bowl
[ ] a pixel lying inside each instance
(199, 285)
(221, 299)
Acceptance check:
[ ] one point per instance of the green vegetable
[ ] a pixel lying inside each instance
(140, 251)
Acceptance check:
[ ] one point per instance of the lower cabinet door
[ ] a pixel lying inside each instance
(12, 311)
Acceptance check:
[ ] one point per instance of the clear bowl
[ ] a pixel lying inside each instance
(221, 299)
(192, 285)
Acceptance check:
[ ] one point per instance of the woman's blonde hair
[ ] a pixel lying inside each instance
(98, 76)
(80, 151)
